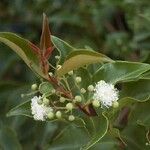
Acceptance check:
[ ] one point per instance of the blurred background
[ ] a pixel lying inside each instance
(117, 28)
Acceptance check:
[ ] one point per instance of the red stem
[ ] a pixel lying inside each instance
(88, 110)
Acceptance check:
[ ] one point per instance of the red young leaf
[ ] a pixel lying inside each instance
(42, 59)
(48, 52)
(45, 42)
(35, 48)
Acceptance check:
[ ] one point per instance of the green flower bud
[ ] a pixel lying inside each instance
(96, 103)
(53, 91)
(58, 114)
(45, 101)
(58, 67)
(78, 98)
(34, 87)
(69, 106)
(90, 88)
(115, 104)
(78, 79)
(70, 72)
(40, 101)
(50, 73)
(50, 115)
(62, 99)
(71, 118)
(83, 91)
(57, 57)
(22, 95)
(147, 144)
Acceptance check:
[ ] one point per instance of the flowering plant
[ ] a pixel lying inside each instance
(92, 97)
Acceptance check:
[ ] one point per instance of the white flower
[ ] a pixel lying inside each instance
(39, 112)
(106, 93)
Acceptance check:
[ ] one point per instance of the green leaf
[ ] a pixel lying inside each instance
(140, 114)
(70, 138)
(146, 75)
(23, 49)
(134, 133)
(23, 109)
(120, 71)
(63, 47)
(45, 88)
(8, 139)
(118, 116)
(135, 137)
(81, 136)
(79, 58)
(137, 90)
(97, 128)
(106, 143)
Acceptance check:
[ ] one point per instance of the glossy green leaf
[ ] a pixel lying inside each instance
(23, 49)
(81, 137)
(138, 123)
(63, 47)
(79, 58)
(132, 135)
(8, 139)
(70, 138)
(107, 143)
(118, 116)
(120, 71)
(23, 109)
(135, 137)
(97, 128)
(146, 75)
(140, 114)
(137, 90)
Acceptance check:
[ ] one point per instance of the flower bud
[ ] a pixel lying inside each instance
(45, 101)
(147, 144)
(34, 87)
(39, 101)
(58, 114)
(58, 67)
(50, 73)
(78, 98)
(53, 91)
(90, 88)
(22, 95)
(115, 104)
(69, 106)
(62, 99)
(70, 72)
(71, 118)
(57, 57)
(83, 91)
(96, 103)
(78, 79)
(50, 115)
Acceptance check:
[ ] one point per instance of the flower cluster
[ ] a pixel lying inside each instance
(39, 111)
(106, 93)
(46, 107)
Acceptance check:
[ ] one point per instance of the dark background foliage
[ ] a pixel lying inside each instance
(118, 28)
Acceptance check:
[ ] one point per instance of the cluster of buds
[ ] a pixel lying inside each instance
(42, 109)
(57, 106)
